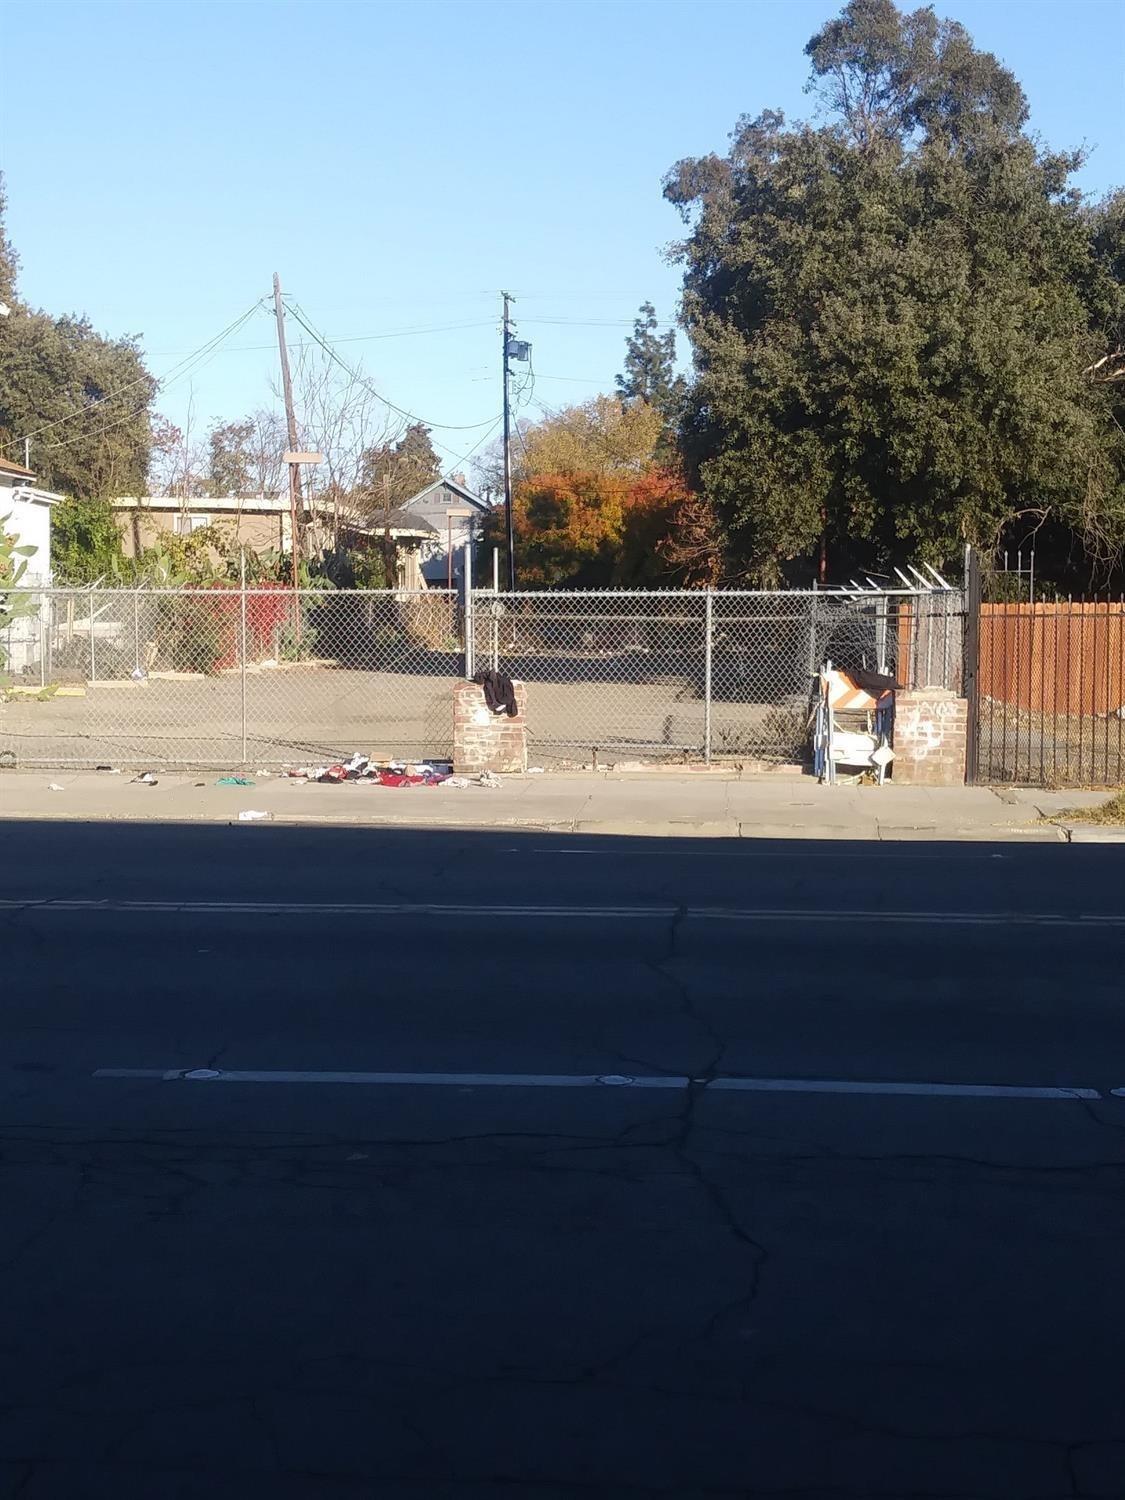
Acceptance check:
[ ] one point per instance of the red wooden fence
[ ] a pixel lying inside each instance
(1066, 658)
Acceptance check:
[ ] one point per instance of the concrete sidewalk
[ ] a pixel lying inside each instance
(713, 805)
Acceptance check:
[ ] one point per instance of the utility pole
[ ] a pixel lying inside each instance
(291, 423)
(508, 455)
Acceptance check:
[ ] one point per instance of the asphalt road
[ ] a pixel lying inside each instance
(544, 1167)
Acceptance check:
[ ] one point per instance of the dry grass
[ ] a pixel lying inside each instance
(1112, 811)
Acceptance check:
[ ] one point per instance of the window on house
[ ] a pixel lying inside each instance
(186, 522)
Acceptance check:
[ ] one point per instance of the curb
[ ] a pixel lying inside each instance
(724, 829)
(1091, 833)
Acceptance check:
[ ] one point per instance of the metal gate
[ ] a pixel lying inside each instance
(1047, 702)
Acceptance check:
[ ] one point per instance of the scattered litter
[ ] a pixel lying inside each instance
(234, 781)
(252, 815)
(265, 775)
(489, 778)
(270, 662)
(201, 783)
(138, 674)
(53, 786)
(455, 781)
(359, 767)
(7, 759)
(535, 770)
(110, 770)
(147, 778)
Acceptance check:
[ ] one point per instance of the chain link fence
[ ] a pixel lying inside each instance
(271, 677)
(700, 673)
(224, 676)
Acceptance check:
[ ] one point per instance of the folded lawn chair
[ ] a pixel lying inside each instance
(852, 722)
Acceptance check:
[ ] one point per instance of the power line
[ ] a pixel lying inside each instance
(180, 369)
(575, 379)
(202, 358)
(464, 458)
(594, 322)
(410, 416)
(350, 338)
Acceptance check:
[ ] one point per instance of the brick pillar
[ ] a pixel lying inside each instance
(930, 727)
(484, 741)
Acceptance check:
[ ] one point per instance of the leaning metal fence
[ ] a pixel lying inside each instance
(269, 677)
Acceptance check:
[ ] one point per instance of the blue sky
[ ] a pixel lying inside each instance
(399, 163)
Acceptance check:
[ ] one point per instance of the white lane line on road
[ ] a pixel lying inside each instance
(809, 916)
(408, 1080)
(328, 908)
(747, 852)
(603, 1080)
(923, 1090)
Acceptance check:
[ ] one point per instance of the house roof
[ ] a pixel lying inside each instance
(450, 484)
(402, 517)
(401, 522)
(7, 467)
(247, 505)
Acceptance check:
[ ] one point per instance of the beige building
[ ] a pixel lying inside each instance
(261, 524)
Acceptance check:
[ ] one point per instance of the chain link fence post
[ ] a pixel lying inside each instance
(469, 620)
(708, 634)
(136, 630)
(813, 664)
(242, 647)
(93, 673)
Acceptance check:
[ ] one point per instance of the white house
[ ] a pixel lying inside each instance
(25, 513)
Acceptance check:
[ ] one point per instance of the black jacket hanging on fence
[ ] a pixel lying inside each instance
(499, 693)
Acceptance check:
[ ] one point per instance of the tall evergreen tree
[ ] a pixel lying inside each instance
(888, 315)
(393, 472)
(650, 366)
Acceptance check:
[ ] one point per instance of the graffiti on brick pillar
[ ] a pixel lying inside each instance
(924, 725)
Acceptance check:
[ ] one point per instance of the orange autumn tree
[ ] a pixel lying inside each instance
(669, 537)
(568, 528)
(593, 508)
